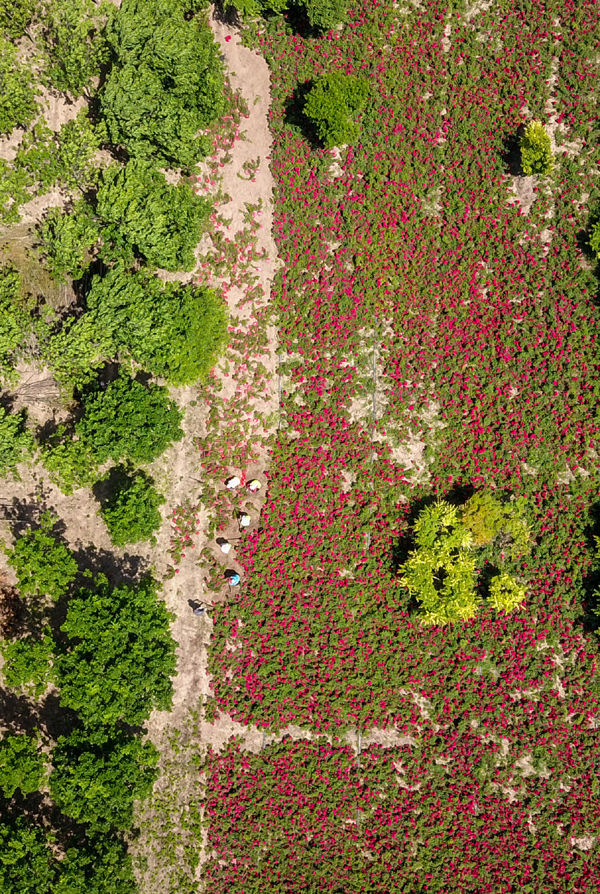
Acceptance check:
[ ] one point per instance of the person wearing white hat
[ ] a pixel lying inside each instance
(224, 545)
(254, 485)
(245, 520)
(233, 482)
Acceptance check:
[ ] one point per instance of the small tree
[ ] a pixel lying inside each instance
(128, 420)
(44, 566)
(131, 511)
(17, 92)
(73, 37)
(22, 766)
(66, 240)
(174, 331)
(536, 150)
(440, 571)
(28, 664)
(99, 864)
(506, 594)
(15, 322)
(325, 14)
(332, 104)
(117, 663)
(15, 17)
(160, 222)
(16, 442)
(70, 462)
(27, 864)
(97, 782)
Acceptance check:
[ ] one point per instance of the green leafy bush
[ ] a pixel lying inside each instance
(66, 240)
(506, 594)
(13, 192)
(166, 83)
(69, 461)
(28, 664)
(17, 92)
(160, 222)
(131, 511)
(96, 782)
(43, 564)
(27, 864)
(16, 442)
(77, 143)
(129, 420)
(253, 8)
(15, 16)
(15, 322)
(325, 14)
(440, 572)
(536, 151)
(331, 105)
(594, 238)
(497, 524)
(173, 331)
(73, 33)
(21, 765)
(117, 663)
(100, 864)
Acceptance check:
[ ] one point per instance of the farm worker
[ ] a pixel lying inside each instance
(199, 609)
(224, 545)
(233, 482)
(254, 485)
(245, 520)
(233, 578)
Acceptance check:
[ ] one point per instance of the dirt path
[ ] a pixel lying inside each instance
(242, 395)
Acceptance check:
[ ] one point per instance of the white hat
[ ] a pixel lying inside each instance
(233, 482)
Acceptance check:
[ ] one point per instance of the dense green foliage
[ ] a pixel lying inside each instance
(15, 16)
(594, 238)
(129, 420)
(77, 49)
(21, 765)
(119, 657)
(143, 212)
(131, 509)
(97, 781)
(17, 91)
(67, 239)
(536, 151)
(16, 442)
(43, 564)
(332, 104)
(27, 864)
(69, 461)
(14, 321)
(28, 664)
(325, 14)
(166, 82)
(174, 331)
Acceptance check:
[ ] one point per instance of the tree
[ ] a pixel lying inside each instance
(506, 594)
(166, 83)
(97, 864)
(325, 14)
(69, 461)
(131, 510)
(15, 322)
(43, 564)
(22, 766)
(66, 240)
(77, 143)
(28, 664)
(129, 420)
(440, 572)
(15, 17)
(27, 864)
(117, 662)
(496, 524)
(160, 222)
(536, 150)
(73, 33)
(97, 782)
(331, 105)
(17, 92)
(16, 443)
(172, 330)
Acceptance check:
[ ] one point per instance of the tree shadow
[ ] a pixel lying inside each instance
(511, 153)
(24, 515)
(226, 15)
(120, 570)
(294, 117)
(18, 713)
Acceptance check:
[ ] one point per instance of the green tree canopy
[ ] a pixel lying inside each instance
(15, 16)
(131, 510)
(22, 766)
(97, 782)
(27, 864)
(332, 104)
(28, 663)
(66, 240)
(43, 564)
(15, 322)
(98, 864)
(160, 222)
(16, 442)
(536, 150)
(74, 40)
(117, 663)
(325, 14)
(166, 83)
(174, 331)
(17, 92)
(129, 420)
